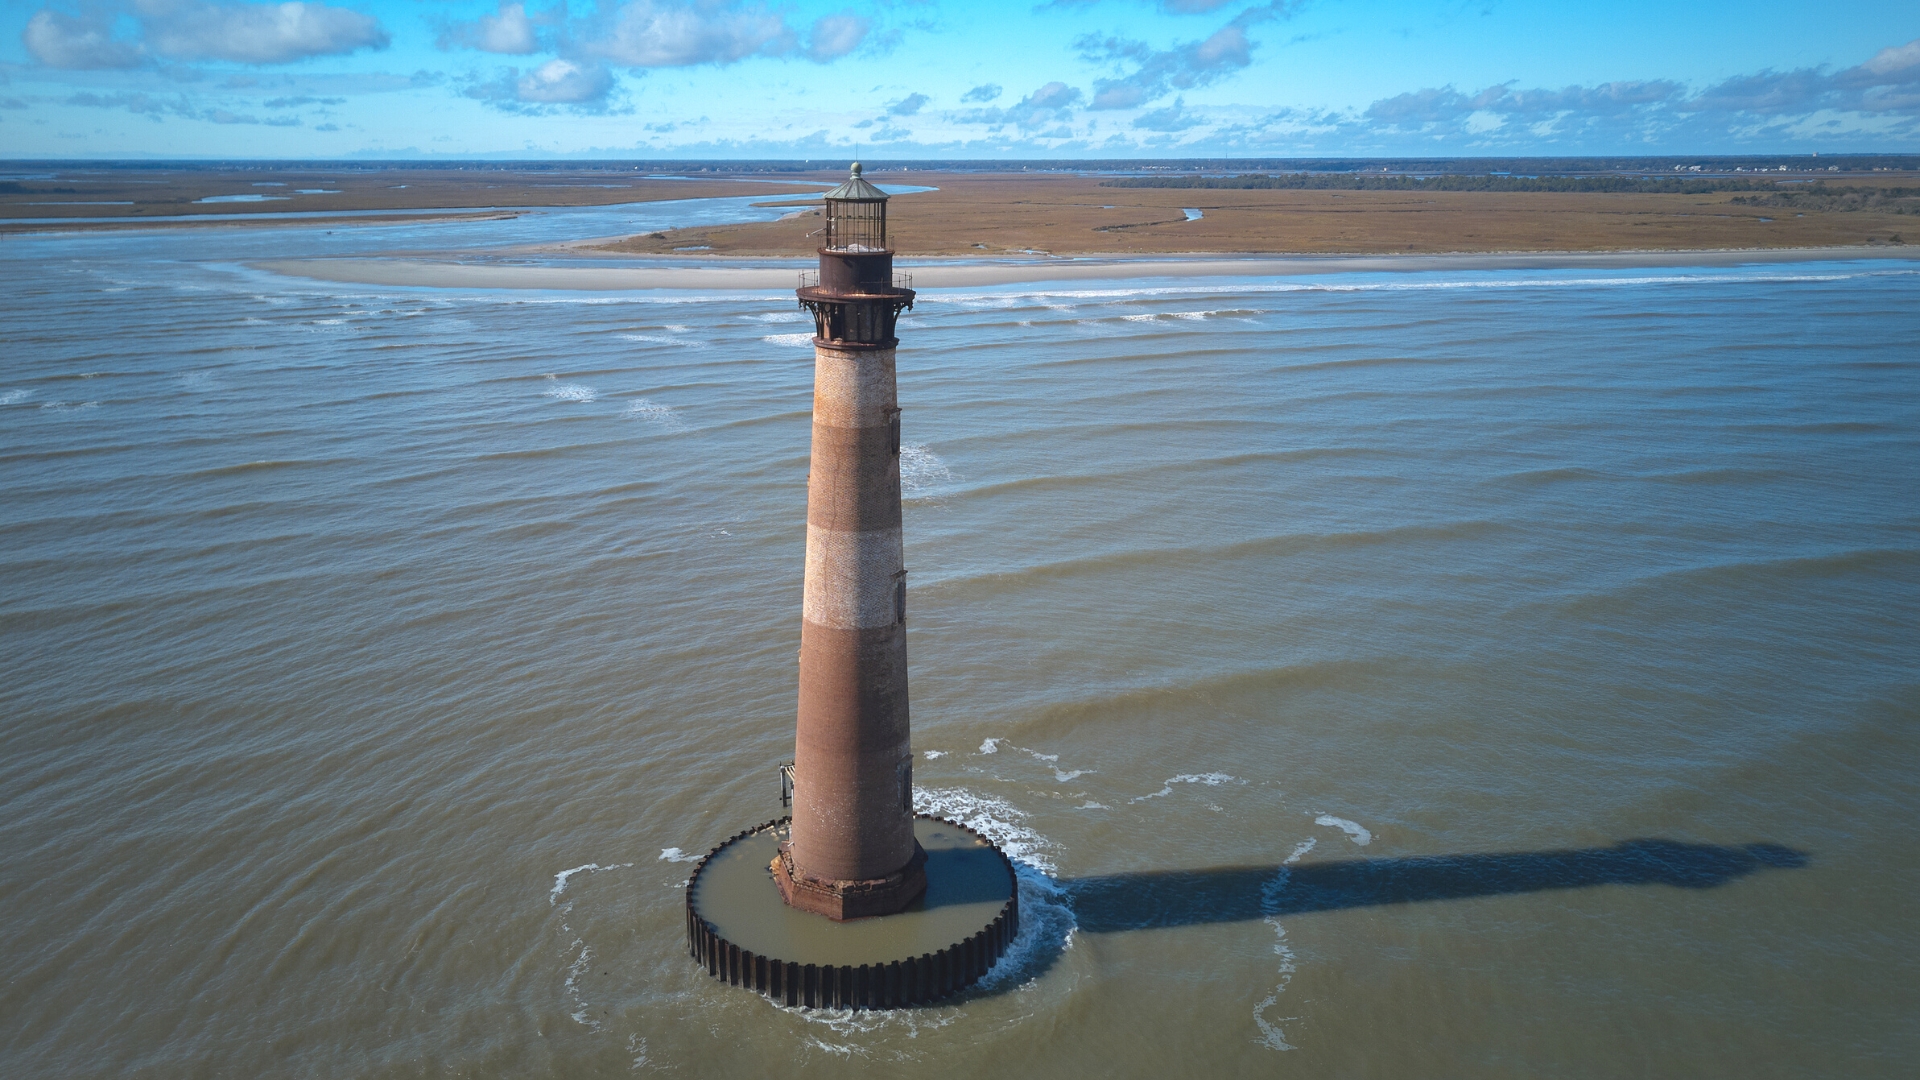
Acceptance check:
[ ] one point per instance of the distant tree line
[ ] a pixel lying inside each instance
(1384, 182)
(1820, 198)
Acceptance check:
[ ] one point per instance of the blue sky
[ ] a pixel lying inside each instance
(893, 79)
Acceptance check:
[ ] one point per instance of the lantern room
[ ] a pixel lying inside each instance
(856, 216)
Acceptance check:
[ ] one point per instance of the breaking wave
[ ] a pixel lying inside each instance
(569, 391)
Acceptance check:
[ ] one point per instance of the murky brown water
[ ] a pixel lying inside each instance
(1477, 674)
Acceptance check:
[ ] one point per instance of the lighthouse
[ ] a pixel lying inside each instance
(854, 901)
(852, 852)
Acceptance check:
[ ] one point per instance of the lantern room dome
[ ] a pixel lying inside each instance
(856, 189)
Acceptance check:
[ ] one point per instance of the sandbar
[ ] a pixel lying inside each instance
(966, 273)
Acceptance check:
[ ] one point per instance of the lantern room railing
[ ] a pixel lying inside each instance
(810, 279)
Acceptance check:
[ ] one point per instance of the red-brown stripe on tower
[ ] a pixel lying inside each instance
(852, 851)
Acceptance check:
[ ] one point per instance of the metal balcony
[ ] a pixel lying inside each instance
(810, 279)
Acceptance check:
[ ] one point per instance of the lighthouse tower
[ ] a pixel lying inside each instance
(852, 852)
(917, 908)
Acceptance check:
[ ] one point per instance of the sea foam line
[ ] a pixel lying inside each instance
(560, 879)
(992, 746)
(1355, 831)
(569, 391)
(1270, 1033)
(656, 413)
(1046, 913)
(921, 469)
(1212, 779)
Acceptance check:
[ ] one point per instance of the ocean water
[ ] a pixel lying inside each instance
(1444, 673)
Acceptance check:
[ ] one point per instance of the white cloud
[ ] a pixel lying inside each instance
(1050, 104)
(78, 43)
(199, 30)
(1159, 72)
(563, 82)
(664, 33)
(1174, 117)
(582, 87)
(1779, 102)
(509, 31)
(255, 33)
(834, 36)
(648, 34)
(1896, 63)
(155, 108)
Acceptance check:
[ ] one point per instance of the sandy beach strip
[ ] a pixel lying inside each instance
(738, 275)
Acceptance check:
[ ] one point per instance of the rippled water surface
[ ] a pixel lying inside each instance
(1495, 674)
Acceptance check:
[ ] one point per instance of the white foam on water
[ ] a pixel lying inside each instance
(581, 962)
(15, 397)
(994, 818)
(1046, 917)
(850, 1023)
(1270, 1033)
(574, 971)
(1091, 805)
(1192, 316)
(674, 854)
(992, 746)
(1046, 928)
(637, 1046)
(1355, 831)
(795, 340)
(934, 755)
(654, 339)
(560, 879)
(778, 317)
(921, 470)
(67, 406)
(1212, 779)
(569, 391)
(653, 412)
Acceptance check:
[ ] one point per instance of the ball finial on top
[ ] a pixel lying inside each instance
(856, 168)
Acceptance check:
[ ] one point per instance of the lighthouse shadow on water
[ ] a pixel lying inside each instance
(1163, 899)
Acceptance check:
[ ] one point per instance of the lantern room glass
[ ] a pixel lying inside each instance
(856, 225)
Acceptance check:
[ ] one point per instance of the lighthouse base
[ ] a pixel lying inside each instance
(743, 931)
(843, 900)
